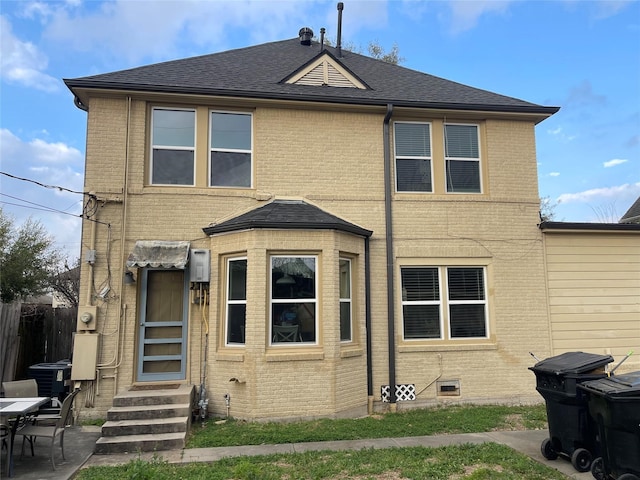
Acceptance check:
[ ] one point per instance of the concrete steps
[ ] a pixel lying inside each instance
(147, 420)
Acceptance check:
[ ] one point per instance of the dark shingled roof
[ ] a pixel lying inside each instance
(259, 72)
(288, 214)
(633, 214)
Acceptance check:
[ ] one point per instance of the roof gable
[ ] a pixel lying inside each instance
(325, 70)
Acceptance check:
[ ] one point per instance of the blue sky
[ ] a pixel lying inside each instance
(582, 56)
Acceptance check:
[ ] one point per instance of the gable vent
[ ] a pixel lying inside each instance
(326, 72)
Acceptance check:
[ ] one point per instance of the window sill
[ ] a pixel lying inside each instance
(448, 347)
(289, 356)
(348, 352)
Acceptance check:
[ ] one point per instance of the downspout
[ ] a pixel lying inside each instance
(389, 242)
(367, 321)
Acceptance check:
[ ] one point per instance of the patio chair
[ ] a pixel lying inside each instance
(285, 333)
(31, 431)
(29, 388)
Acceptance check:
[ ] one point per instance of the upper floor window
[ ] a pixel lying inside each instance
(428, 304)
(173, 146)
(413, 157)
(236, 301)
(230, 158)
(293, 299)
(345, 300)
(462, 158)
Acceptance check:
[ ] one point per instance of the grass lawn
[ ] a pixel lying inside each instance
(469, 462)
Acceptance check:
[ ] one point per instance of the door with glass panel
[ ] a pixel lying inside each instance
(162, 325)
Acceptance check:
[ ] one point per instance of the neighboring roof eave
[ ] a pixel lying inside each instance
(586, 226)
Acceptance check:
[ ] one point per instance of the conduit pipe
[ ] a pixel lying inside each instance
(389, 243)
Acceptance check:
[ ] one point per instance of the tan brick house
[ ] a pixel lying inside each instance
(297, 228)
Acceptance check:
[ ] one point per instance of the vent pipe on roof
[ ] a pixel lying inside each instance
(305, 34)
(322, 30)
(339, 45)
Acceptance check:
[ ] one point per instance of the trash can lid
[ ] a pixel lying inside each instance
(572, 363)
(625, 385)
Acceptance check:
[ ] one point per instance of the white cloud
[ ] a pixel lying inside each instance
(467, 14)
(50, 164)
(600, 194)
(614, 162)
(22, 63)
(554, 174)
(143, 30)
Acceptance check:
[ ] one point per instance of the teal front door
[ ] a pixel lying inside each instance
(162, 332)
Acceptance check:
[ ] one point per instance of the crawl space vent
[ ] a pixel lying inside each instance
(404, 392)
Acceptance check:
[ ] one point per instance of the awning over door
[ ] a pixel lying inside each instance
(159, 253)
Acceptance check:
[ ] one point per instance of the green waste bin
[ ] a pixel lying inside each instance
(572, 432)
(614, 404)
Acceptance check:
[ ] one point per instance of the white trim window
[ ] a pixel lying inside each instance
(434, 296)
(173, 134)
(412, 147)
(462, 158)
(293, 299)
(230, 158)
(236, 301)
(346, 304)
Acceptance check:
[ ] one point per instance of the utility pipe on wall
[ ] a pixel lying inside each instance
(389, 243)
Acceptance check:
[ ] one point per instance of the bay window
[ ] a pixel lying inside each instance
(293, 299)
(345, 300)
(236, 300)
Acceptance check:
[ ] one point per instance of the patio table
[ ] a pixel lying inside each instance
(15, 408)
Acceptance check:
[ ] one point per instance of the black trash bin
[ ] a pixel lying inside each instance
(572, 432)
(614, 404)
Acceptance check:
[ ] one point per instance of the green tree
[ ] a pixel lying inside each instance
(27, 259)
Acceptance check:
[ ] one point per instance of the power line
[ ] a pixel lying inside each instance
(42, 207)
(54, 187)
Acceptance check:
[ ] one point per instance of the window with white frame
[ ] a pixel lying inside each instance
(173, 146)
(293, 299)
(231, 149)
(413, 157)
(433, 297)
(345, 300)
(236, 300)
(462, 158)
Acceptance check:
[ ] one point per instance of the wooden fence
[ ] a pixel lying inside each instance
(32, 334)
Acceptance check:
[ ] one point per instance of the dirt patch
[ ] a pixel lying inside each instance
(391, 475)
(512, 422)
(470, 469)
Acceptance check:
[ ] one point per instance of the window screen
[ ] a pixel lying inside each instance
(462, 158)
(413, 157)
(231, 148)
(173, 147)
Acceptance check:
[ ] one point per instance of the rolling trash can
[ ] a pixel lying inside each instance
(614, 404)
(572, 432)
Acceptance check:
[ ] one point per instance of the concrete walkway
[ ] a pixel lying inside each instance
(79, 443)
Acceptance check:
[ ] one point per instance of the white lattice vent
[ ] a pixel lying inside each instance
(404, 392)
